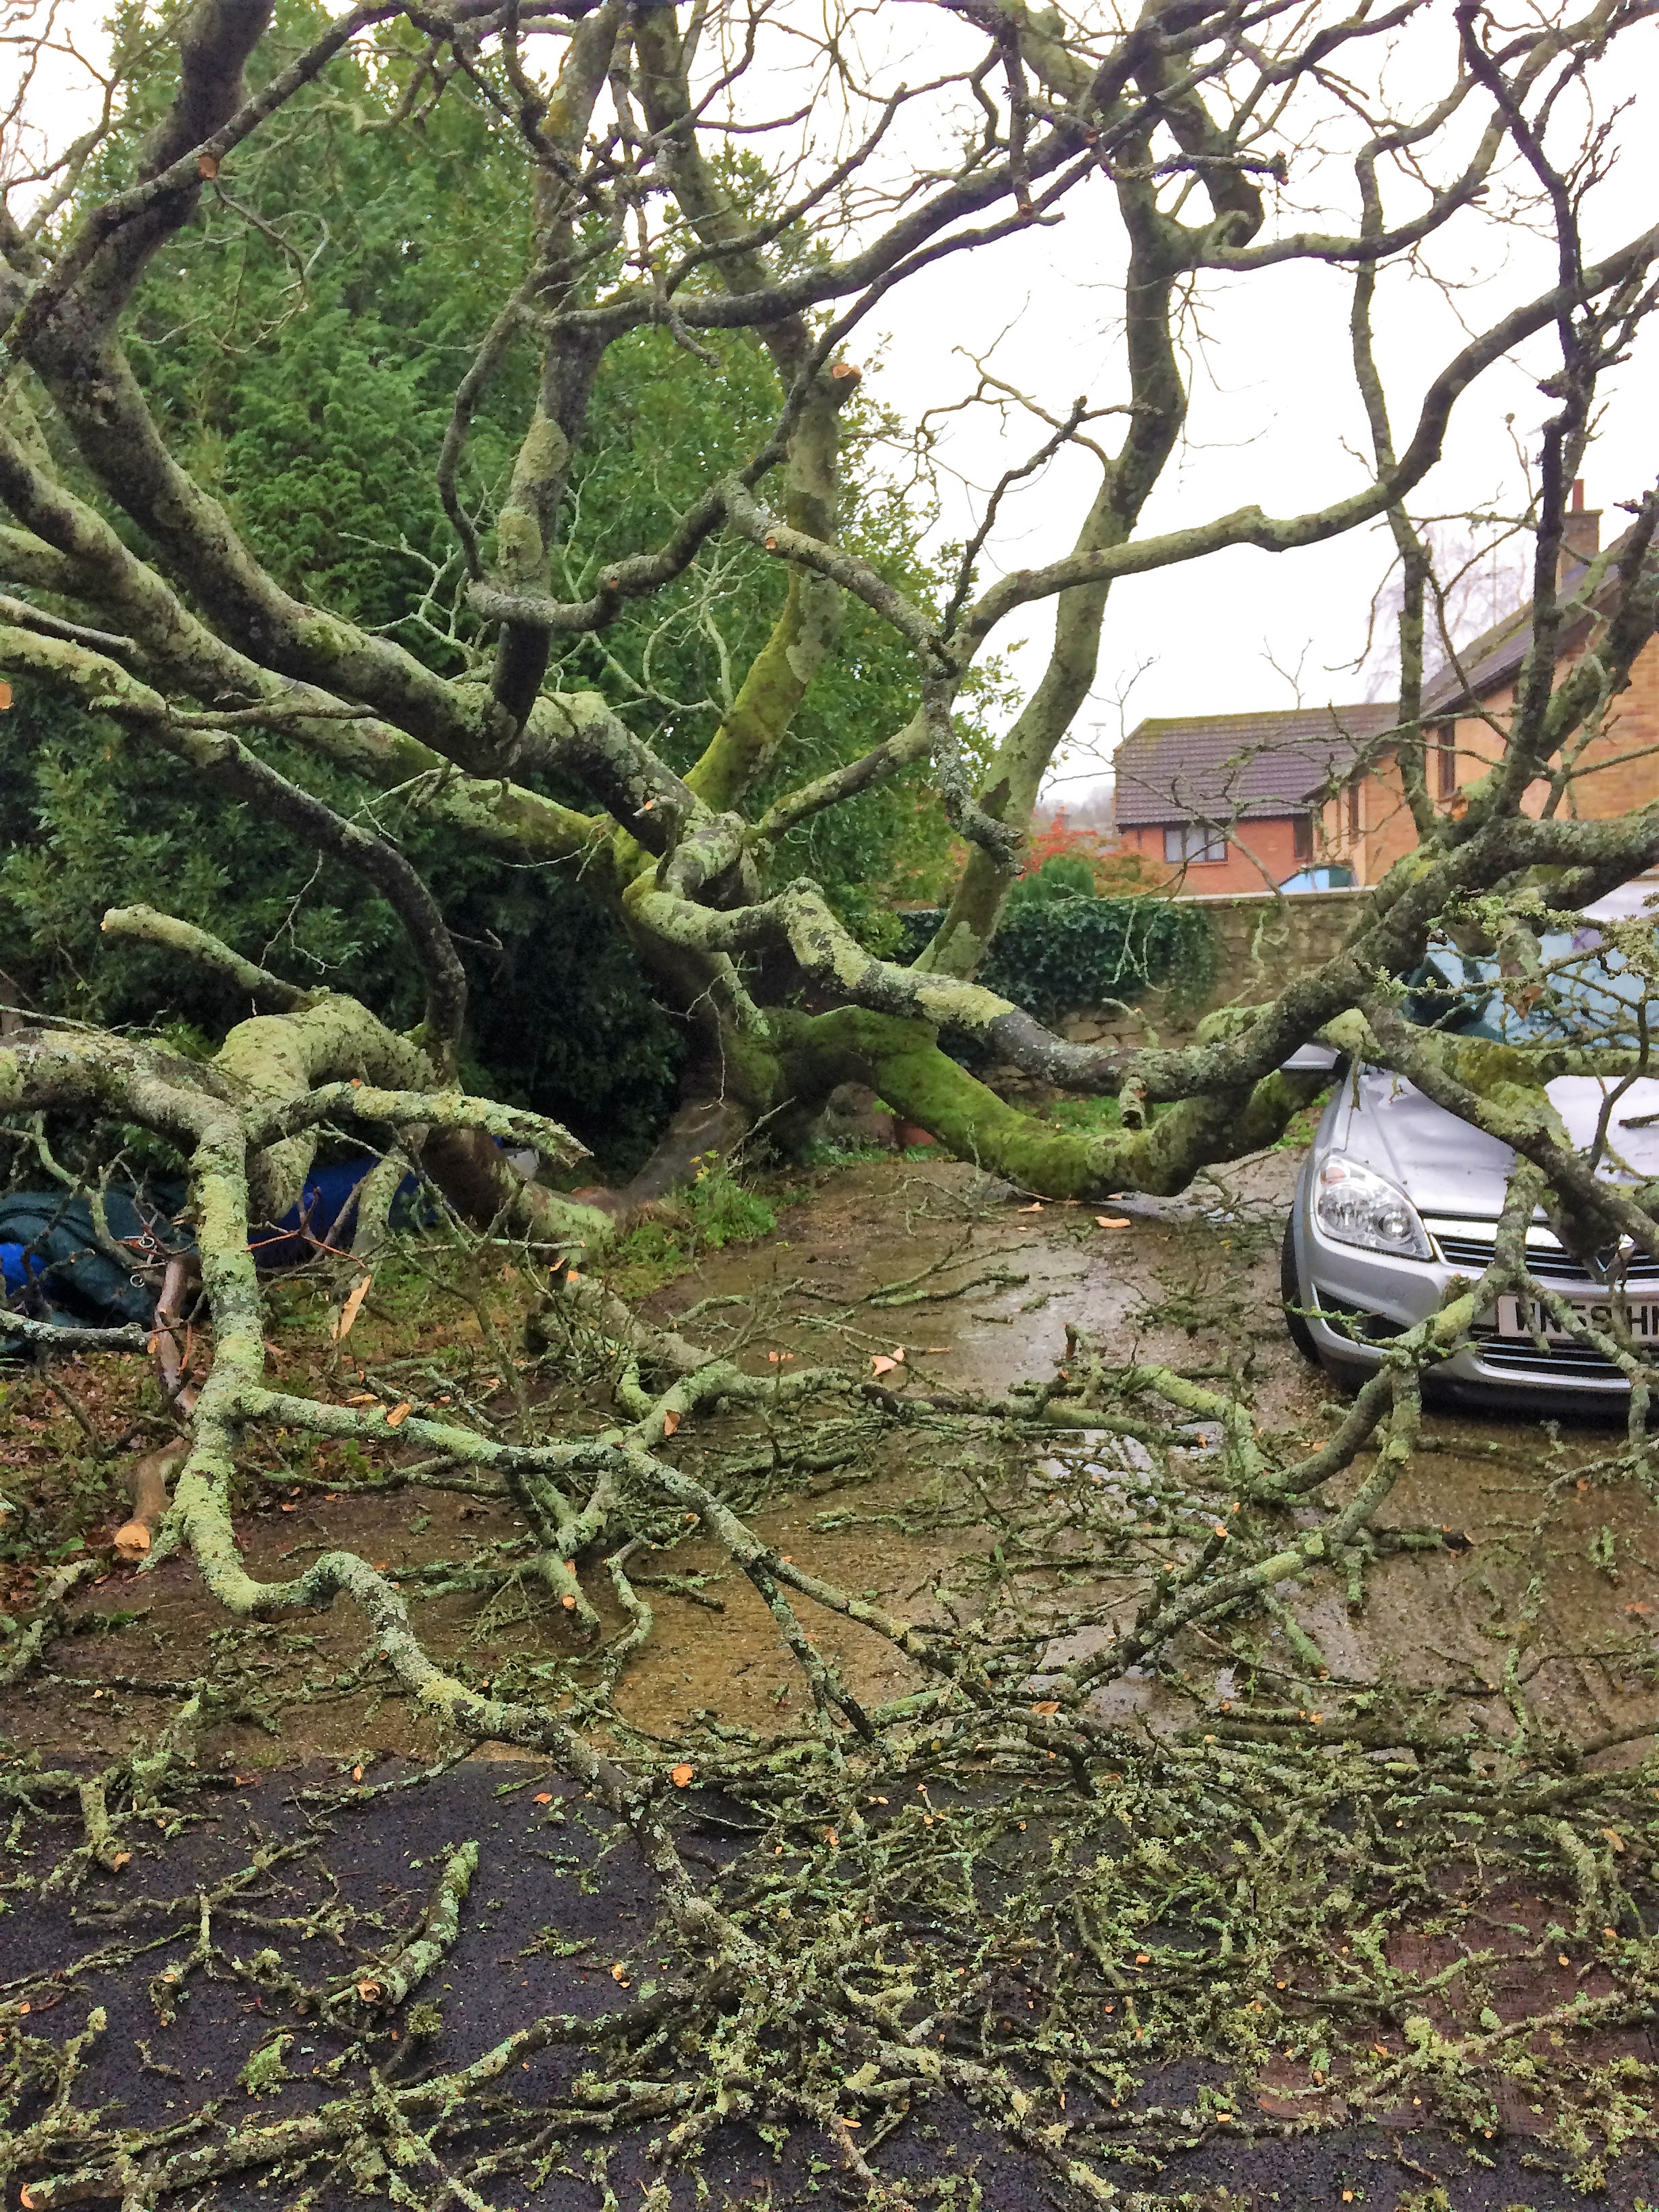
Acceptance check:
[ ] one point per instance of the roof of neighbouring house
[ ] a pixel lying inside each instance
(1495, 657)
(1222, 767)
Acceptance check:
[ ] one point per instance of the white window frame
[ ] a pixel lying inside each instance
(1187, 844)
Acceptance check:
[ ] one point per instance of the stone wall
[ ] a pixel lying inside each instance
(1261, 942)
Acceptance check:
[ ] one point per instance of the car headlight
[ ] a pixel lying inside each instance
(1354, 1205)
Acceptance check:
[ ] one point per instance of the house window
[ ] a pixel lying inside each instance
(1354, 808)
(1302, 842)
(1445, 760)
(1187, 841)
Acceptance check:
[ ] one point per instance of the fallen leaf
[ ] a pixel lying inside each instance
(542, 1797)
(398, 1415)
(1036, 1207)
(1142, 1957)
(360, 1398)
(1614, 1839)
(356, 1773)
(380, 1566)
(351, 1309)
(879, 1365)
(681, 1775)
(121, 1859)
(832, 1839)
(619, 1973)
(1112, 1221)
(207, 165)
(1637, 1606)
(933, 1351)
(671, 1421)
(1047, 1705)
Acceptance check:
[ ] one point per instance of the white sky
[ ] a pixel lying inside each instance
(1272, 408)
(1274, 419)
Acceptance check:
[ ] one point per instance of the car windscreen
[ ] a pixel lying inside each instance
(1585, 992)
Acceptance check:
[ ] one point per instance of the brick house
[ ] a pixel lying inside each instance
(1240, 802)
(1465, 707)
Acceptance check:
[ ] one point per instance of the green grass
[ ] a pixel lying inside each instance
(1084, 1117)
(715, 1210)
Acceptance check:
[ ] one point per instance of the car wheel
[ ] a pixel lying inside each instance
(1349, 1377)
(1290, 1292)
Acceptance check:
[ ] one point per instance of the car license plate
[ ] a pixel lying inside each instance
(1526, 1317)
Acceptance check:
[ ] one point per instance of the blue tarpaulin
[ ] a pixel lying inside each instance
(49, 1246)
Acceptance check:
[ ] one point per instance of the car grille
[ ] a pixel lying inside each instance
(1471, 1244)
(1520, 1357)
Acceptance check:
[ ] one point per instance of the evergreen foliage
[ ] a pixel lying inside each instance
(1058, 948)
(304, 368)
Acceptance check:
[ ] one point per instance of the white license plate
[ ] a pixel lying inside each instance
(1526, 1318)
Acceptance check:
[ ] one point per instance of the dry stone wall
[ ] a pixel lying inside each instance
(1262, 941)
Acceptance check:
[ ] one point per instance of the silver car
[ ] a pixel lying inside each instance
(1397, 1196)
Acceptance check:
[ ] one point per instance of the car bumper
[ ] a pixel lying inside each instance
(1355, 1301)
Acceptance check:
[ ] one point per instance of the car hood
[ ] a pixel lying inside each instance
(1446, 1166)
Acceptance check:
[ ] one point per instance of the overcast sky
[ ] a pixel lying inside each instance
(1275, 420)
(1273, 406)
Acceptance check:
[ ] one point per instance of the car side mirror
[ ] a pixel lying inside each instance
(1312, 1060)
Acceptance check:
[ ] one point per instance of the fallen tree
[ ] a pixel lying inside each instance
(131, 592)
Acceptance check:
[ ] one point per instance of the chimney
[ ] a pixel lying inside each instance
(1581, 534)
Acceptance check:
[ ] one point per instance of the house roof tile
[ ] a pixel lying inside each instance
(1223, 768)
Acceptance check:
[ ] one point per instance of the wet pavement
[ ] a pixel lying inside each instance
(1549, 1594)
(1555, 1577)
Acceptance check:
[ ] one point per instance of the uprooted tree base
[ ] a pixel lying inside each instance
(1096, 1958)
